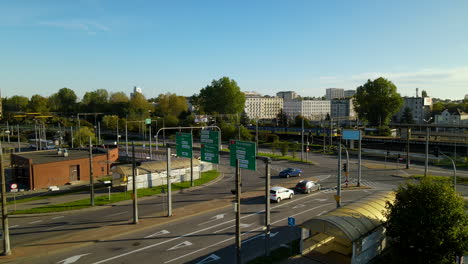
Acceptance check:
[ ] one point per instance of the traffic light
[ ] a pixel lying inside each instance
(436, 152)
(345, 166)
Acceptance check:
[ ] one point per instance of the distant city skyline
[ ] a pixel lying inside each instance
(265, 46)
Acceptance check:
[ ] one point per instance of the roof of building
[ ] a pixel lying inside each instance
(354, 220)
(49, 156)
(155, 166)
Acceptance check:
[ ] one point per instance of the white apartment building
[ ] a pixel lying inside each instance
(334, 93)
(310, 109)
(260, 107)
(419, 106)
(287, 95)
(342, 110)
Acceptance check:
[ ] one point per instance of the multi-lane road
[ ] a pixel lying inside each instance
(202, 231)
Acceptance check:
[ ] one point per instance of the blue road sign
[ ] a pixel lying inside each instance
(291, 221)
(352, 134)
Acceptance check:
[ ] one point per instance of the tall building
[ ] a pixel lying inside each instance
(287, 95)
(420, 108)
(261, 107)
(310, 109)
(349, 93)
(342, 110)
(136, 90)
(334, 93)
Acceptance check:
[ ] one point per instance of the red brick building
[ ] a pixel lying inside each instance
(41, 169)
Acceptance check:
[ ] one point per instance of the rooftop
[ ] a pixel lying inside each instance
(48, 156)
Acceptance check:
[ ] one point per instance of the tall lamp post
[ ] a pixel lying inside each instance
(426, 164)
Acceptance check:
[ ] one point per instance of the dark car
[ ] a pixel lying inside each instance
(306, 187)
(290, 172)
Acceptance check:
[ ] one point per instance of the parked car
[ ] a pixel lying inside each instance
(279, 193)
(290, 172)
(306, 186)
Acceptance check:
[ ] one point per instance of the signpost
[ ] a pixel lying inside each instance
(14, 189)
(355, 135)
(245, 152)
(184, 144)
(291, 224)
(210, 146)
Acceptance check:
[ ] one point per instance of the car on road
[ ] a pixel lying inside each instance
(290, 172)
(306, 187)
(278, 193)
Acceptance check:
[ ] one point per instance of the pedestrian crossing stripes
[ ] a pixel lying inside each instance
(353, 182)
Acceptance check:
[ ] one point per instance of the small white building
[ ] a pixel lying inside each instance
(262, 107)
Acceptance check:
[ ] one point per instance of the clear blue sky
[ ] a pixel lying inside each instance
(266, 46)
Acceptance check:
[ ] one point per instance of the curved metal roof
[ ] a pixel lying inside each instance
(354, 220)
(154, 166)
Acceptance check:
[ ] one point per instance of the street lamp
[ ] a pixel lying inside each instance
(426, 164)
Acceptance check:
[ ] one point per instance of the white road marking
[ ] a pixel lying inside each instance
(253, 230)
(181, 245)
(162, 232)
(14, 226)
(38, 221)
(117, 214)
(321, 213)
(204, 229)
(320, 200)
(299, 206)
(57, 217)
(55, 227)
(262, 235)
(72, 259)
(209, 259)
(241, 225)
(214, 218)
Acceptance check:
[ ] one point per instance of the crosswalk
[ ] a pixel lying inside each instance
(353, 182)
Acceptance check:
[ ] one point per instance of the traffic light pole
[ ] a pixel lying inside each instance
(6, 231)
(169, 191)
(135, 194)
(338, 183)
(91, 176)
(426, 163)
(238, 214)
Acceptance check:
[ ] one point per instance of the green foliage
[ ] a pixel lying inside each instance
(377, 101)
(119, 104)
(407, 116)
(81, 137)
(228, 131)
(427, 223)
(284, 148)
(245, 134)
(222, 96)
(139, 107)
(294, 148)
(170, 104)
(63, 101)
(384, 131)
(38, 104)
(110, 121)
(96, 101)
(15, 103)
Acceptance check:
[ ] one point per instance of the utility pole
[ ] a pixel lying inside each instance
(150, 149)
(360, 160)
(338, 184)
(169, 192)
(426, 163)
(35, 134)
(256, 135)
(331, 129)
(91, 177)
(302, 139)
(71, 134)
(99, 132)
(408, 131)
(19, 141)
(126, 139)
(6, 231)
(267, 206)
(135, 194)
(238, 214)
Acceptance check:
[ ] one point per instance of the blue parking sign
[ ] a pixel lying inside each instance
(291, 221)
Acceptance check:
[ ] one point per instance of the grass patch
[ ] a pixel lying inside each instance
(206, 176)
(278, 254)
(442, 178)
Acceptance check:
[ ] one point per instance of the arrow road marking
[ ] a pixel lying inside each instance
(298, 206)
(181, 245)
(209, 259)
(214, 218)
(241, 225)
(72, 259)
(162, 232)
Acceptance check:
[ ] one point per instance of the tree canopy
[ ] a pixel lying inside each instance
(170, 104)
(96, 101)
(377, 101)
(222, 96)
(407, 116)
(427, 223)
(139, 107)
(15, 103)
(64, 101)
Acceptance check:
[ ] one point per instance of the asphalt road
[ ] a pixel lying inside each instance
(207, 236)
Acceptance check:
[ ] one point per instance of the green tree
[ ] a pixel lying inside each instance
(63, 101)
(119, 103)
(437, 108)
(407, 116)
(96, 101)
(377, 101)
(15, 103)
(427, 223)
(170, 104)
(81, 137)
(110, 121)
(222, 96)
(38, 104)
(284, 148)
(139, 107)
(424, 93)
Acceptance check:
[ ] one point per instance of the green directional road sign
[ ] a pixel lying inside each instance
(209, 141)
(245, 152)
(184, 145)
(148, 121)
